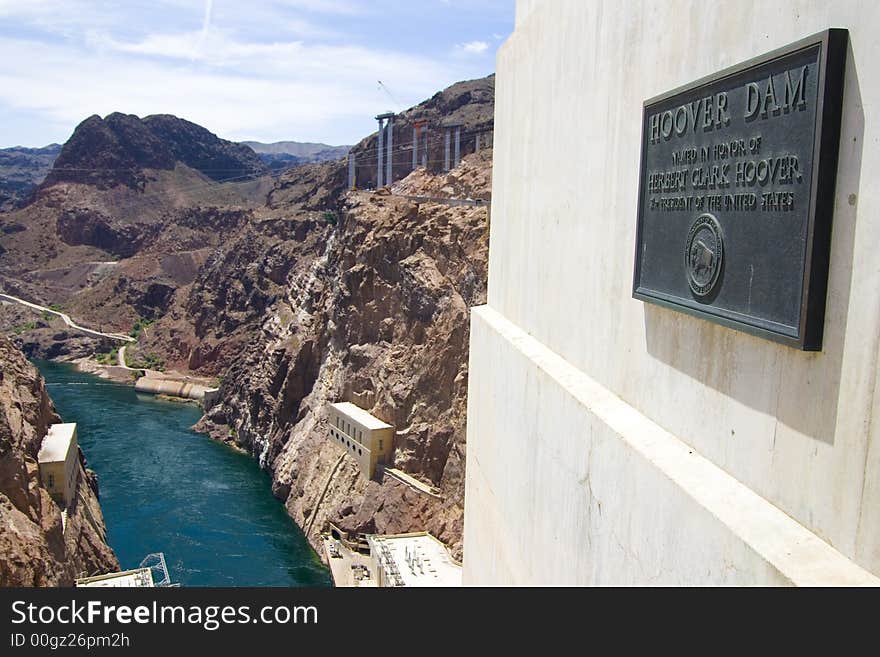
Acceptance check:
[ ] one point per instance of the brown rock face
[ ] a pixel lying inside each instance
(297, 292)
(117, 149)
(83, 226)
(126, 216)
(381, 319)
(34, 550)
(470, 103)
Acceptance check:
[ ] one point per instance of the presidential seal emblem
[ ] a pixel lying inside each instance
(703, 252)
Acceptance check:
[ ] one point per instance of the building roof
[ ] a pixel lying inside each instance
(417, 559)
(361, 416)
(57, 442)
(140, 577)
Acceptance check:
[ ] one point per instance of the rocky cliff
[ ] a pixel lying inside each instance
(380, 318)
(209, 323)
(125, 219)
(34, 548)
(470, 104)
(120, 147)
(298, 294)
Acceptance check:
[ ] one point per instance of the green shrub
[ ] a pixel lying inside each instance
(149, 362)
(30, 326)
(140, 325)
(47, 316)
(108, 358)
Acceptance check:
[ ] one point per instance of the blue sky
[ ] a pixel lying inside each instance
(267, 70)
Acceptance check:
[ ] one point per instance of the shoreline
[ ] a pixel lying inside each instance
(204, 427)
(109, 372)
(286, 532)
(172, 386)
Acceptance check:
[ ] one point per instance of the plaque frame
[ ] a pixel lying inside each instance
(833, 45)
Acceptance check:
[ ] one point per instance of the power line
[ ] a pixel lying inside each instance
(135, 169)
(148, 198)
(242, 178)
(439, 140)
(251, 176)
(366, 151)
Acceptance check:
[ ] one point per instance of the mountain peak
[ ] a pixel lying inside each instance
(116, 149)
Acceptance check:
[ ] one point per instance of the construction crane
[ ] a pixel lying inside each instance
(386, 90)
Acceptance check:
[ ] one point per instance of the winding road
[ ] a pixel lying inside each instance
(120, 356)
(72, 324)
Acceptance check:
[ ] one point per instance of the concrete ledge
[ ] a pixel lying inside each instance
(574, 465)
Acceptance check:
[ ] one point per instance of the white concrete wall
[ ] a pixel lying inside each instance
(797, 429)
(71, 469)
(65, 474)
(524, 8)
(366, 460)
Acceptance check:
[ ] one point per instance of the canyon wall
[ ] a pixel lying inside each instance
(35, 550)
(380, 318)
(294, 290)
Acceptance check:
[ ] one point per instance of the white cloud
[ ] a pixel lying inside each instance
(273, 69)
(56, 16)
(272, 91)
(473, 47)
(325, 6)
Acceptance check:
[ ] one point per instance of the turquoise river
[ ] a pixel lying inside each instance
(165, 488)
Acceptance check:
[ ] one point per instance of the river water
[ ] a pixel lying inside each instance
(167, 489)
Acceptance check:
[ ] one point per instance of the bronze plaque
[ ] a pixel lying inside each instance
(737, 192)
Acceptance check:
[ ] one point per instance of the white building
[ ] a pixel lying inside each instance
(59, 462)
(416, 559)
(137, 578)
(365, 437)
(611, 441)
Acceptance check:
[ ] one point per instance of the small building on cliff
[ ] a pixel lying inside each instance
(365, 437)
(59, 462)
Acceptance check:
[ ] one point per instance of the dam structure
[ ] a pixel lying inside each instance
(616, 440)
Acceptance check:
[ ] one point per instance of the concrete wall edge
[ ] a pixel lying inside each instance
(794, 551)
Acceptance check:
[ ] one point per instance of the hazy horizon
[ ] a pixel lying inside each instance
(240, 141)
